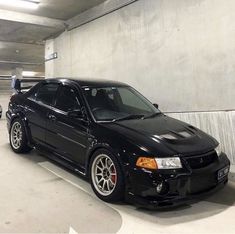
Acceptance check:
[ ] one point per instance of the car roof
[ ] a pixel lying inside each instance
(88, 82)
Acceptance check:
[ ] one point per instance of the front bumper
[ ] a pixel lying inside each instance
(180, 185)
(8, 117)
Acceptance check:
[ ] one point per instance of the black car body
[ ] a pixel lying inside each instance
(156, 160)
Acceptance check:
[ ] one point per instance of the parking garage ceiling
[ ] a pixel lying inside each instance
(23, 31)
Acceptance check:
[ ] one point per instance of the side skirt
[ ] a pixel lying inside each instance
(62, 161)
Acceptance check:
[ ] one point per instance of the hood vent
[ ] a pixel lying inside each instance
(185, 134)
(169, 136)
(176, 135)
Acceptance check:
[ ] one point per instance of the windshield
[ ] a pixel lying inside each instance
(118, 103)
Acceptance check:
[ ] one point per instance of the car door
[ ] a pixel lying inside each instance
(36, 108)
(67, 135)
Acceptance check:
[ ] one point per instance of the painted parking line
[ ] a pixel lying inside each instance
(202, 215)
(127, 222)
(72, 231)
(73, 180)
(66, 176)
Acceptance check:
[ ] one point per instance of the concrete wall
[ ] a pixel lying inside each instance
(5, 87)
(220, 124)
(4, 100)
(179, 54)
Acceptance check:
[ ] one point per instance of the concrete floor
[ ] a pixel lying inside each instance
(38, 196)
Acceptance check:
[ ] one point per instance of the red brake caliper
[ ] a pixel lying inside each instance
(114, 177)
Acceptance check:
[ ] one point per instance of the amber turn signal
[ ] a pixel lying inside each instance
(148, 163)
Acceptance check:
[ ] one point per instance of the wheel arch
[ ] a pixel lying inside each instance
(24, 120)
(91, 153)
(109, 148)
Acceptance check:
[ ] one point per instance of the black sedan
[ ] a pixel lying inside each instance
(110, 133)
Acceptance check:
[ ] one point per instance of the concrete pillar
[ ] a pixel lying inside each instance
(18, 73)
(49, 64)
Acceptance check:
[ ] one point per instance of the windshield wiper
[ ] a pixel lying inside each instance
(128, 117)
(152, 115)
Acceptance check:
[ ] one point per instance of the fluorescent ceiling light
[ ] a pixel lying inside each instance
(28, 73)
(27, 4)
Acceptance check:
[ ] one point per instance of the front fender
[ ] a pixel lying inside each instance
(22, 117)
(94, 146)
(124, 151)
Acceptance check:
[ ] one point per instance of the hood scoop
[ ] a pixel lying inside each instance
(172, 136)
(168, 136)
(185, 134)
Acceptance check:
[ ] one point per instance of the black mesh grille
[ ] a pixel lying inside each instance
(200, 161)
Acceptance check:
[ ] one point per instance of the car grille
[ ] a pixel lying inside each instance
(200, 161)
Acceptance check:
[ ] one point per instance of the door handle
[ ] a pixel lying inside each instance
(51, 117)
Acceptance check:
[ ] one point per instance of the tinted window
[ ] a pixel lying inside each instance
(32, 93)
(110, 103)
(129, 100)
(67, 99)
(47, 93)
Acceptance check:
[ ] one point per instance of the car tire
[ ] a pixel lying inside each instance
(18, 138)
(106, 176)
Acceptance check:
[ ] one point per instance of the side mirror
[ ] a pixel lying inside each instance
(76, 114)
(156, 105)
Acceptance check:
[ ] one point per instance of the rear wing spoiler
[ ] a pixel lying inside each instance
(23, 85)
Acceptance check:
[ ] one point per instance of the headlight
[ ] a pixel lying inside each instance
(168, 163)
(159, 163)
(148, 163)
(218, 150)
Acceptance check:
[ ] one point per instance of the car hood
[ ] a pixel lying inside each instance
(164, 135)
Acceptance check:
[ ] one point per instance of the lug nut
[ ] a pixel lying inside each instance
(159, 187)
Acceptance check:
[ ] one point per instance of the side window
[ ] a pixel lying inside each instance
(46, 94)
(32, 94)
(67, 99)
